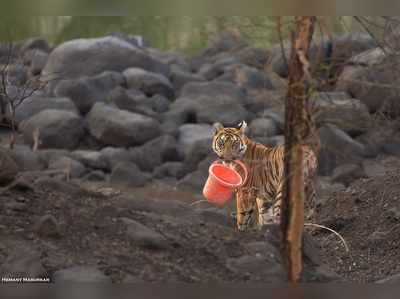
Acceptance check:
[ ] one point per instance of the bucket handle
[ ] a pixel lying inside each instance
(246, 174)
(241, 164)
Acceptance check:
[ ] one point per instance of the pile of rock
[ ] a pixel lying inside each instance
(115, 111)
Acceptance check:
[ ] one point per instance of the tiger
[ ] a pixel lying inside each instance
(262, 190)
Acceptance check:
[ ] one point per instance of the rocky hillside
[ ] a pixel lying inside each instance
(118, 114)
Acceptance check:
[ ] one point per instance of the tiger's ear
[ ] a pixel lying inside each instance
(243, 127)
(217, 127)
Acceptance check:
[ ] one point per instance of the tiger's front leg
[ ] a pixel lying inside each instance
(265, 211)
(245, 207)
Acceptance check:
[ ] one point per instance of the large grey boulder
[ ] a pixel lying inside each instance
(8, 167)
(136, 101)
(247, 77)
(86, 91)
(127, 174)
(148, 82)
(76, 169)
(143, 236)
(91, 159)
(372, 79)
(155, 152)
(190, 137)
(115, 155)
(263, 127)
(338, 108)
(208, 102)
(338, 148)
(180, 77)
(37, 103)
(26, 159)
(88, 57)
(57, 128)
(115, 127)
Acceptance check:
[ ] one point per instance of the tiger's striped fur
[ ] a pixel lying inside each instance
(262, 191)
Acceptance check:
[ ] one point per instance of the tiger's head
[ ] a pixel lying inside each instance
(229, 143)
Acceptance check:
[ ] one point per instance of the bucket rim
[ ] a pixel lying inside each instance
(222, 182)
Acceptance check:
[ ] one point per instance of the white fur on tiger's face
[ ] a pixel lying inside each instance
(229, 143)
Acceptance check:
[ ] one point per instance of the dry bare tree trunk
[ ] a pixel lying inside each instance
(296, 130)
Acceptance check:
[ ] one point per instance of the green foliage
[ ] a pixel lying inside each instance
(175, 33)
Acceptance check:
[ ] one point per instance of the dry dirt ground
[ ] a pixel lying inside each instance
(367, 215)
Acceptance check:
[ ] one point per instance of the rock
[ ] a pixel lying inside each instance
(347, 46)
(131, 100)
(347, 173)
(155, 152)
(95, 176)
(212, 70)
(163, 205)
(337, 148)
(158, 103)
(98, 55)
(391, 279)
(47, 227)
(86, 91)
(392, 149)
(128, 175)
(373, 83)
(373, 169)
(216, 216)
(190, 135)
(35, 43)
(226, 42)
(319, 53)
(392, 38)
(208, 103)
(57, 129)
(200, 152)
(38, 60)
(143, 236)
(253, 57)
(115, 155)
(260, 266)
(263, 127)
(350, 115)
(76, 169)
(26, 159)
(394, 213)
(246, 77)
(8, 167)
(49, 156)
(264, 249)
(57, 185)
(116, 127)
(80, 274)
(23, 263)
(180, 77)
(91, 159)
(169, 169)
(169, 57)
(36, 104)
(148, 82)
(194, 180)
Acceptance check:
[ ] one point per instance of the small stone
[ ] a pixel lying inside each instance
(144, 236)
(48, 227)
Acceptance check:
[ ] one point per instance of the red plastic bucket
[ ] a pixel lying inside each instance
(221, 182)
